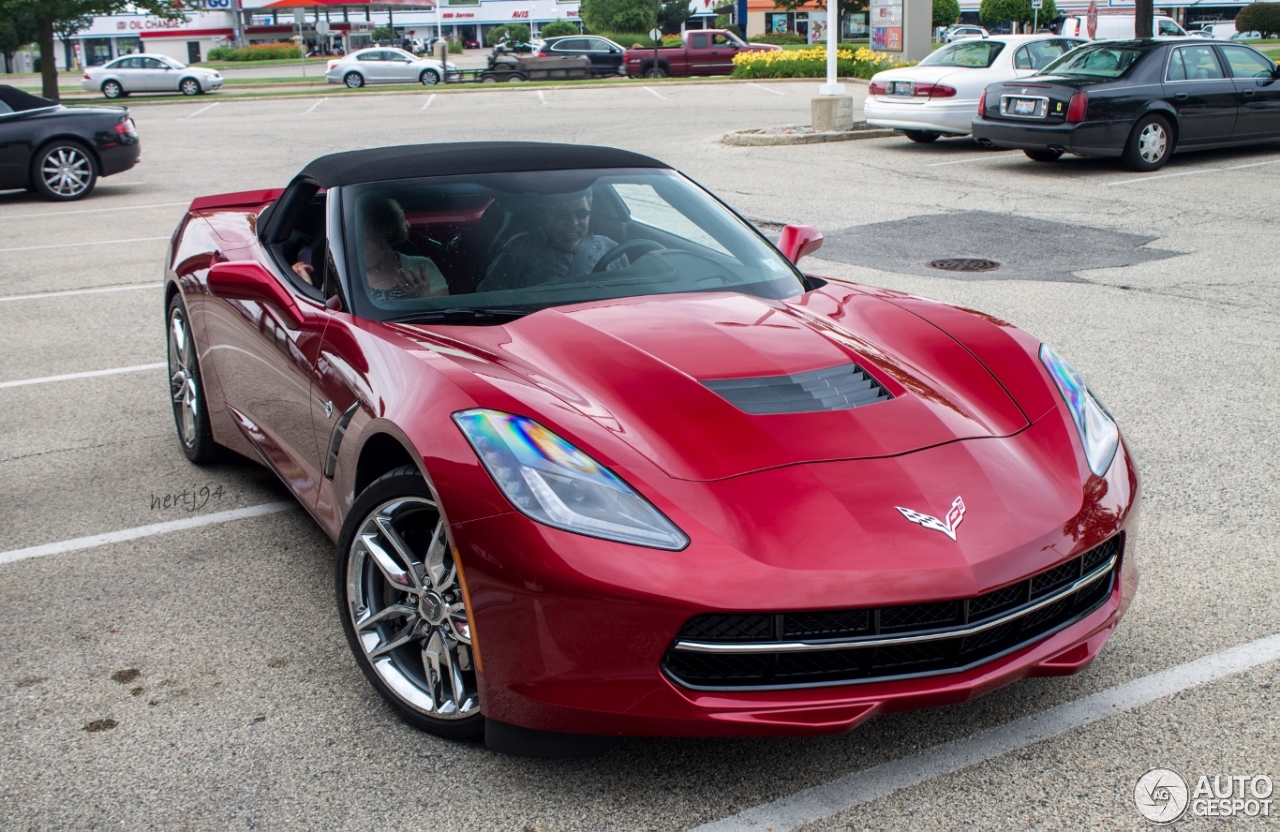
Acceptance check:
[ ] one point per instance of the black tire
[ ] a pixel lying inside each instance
(429, 77)
(922, 136)
(655, 72)
(421, 610)
(1043, 155)
(353, 80)
(186, 388)
(64, 170)
(1150, 144)
(112, 89)
(190, 86)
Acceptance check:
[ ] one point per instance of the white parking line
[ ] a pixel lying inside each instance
(1161, 176)
(142, 531)
(860, 787)
(78, 245)
(312, 108)
(651, 92)
(766, 89)
(1254, 165)
(995, 155)
(430, 98)
(541, 99)
(201, 110)
(63, 294)
(72, 376)
(92, 210)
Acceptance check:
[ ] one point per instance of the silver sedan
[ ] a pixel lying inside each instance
(384, 65)
(149, 73)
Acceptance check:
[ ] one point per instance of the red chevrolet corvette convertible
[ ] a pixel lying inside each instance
(600, 460)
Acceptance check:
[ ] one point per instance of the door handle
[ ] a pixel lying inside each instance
(1181, 96)
(1248, 93)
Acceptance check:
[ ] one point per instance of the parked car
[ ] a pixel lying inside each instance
(606, 56)
(1120, 27)
(937, 96)
(674, 486)
(963, 32)
(701, 52)
(1203, 34)
(1247, 36)
(59, 152)
(149, 73)
(1141, 100)
(379, 65)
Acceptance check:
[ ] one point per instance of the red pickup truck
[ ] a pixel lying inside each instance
(702, 52)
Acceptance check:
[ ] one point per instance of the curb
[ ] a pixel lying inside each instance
(759, 138)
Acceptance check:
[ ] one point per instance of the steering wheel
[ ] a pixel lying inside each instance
(626, 250)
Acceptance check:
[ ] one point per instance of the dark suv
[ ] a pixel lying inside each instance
(606, 56)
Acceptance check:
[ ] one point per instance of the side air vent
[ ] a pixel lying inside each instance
(835, 388)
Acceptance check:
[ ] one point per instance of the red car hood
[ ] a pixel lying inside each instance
(636, 367)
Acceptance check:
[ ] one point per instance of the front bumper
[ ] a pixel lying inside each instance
(572, 632)
(953, 117)
(1086, 138)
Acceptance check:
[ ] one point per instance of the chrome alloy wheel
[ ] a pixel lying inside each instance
(1153, 142)
(67, 172)
(182, 377)
(405, 604)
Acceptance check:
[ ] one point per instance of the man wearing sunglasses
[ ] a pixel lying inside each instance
(560, 250)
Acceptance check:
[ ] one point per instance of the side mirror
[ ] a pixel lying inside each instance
(247, 280)
(796, 241)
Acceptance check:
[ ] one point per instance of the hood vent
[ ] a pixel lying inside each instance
(835, 388)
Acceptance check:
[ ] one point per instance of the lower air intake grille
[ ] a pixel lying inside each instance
(835, 388)
(759, 650)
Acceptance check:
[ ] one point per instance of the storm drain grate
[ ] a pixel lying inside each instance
(964, 264)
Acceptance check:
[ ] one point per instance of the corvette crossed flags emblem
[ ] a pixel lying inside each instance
(947, 526)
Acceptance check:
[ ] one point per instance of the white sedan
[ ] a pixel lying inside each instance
(385, 65)
(149, 73)
(939, 96)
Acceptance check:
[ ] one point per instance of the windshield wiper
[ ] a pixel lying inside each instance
(460, 315)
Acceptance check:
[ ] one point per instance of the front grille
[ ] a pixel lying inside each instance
(835, 388)
(828, 647)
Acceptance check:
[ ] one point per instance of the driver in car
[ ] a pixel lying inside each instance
(559, 250)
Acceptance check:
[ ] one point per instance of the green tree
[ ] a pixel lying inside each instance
(16, 31)
(66, 17)
(618, 15)
(382, 33)
(509, 33)
(556, 28)
(672, 14)
(1260, 17)
(1017, 11)
(945, 12)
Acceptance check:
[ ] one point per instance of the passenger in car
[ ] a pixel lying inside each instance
(560, 249)
(392, 274)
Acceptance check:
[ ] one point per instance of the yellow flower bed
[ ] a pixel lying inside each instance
(811, 63)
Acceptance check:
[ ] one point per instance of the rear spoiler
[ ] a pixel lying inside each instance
(239, 199)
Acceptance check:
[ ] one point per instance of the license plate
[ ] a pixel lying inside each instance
(900, 88)
(1024, 106)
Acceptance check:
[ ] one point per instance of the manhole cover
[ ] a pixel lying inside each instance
(964, 264)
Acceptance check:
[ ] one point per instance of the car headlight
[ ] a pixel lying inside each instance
(1098, 431)
(553, 482)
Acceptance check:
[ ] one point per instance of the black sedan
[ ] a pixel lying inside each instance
(1141, 100)
(606, 56)
(59, 152)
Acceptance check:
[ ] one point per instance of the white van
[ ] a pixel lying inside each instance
(1120, 27)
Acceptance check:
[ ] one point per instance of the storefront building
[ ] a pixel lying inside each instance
(188, 39)
(809, 21)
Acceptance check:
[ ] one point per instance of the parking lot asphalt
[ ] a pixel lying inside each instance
(198, 679)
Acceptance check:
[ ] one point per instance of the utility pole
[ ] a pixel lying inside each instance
(1144, 12)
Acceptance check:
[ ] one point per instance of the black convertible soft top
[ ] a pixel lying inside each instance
(20, 101)
(461, 158)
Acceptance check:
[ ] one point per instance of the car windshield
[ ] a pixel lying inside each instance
(1101, 61)
(485, 247)
(975, 54)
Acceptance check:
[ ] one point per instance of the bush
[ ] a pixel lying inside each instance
(781, 40)
(455, 46)
(1262, 17)
(616, 15)
(255, 52)
(725, 21)
(945, 12)
(556, 28)
(627, 40)
(811, 63)
(672, 40)
(382, 33)
(510, 33)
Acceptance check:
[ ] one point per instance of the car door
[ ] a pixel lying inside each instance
(1258, 113)
(371, 66)
(157, 76)
(1201, 94)
(265, 361)
(605, 57)
(127, 71)
(720, 58)
(698, 54)
(400, 68)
